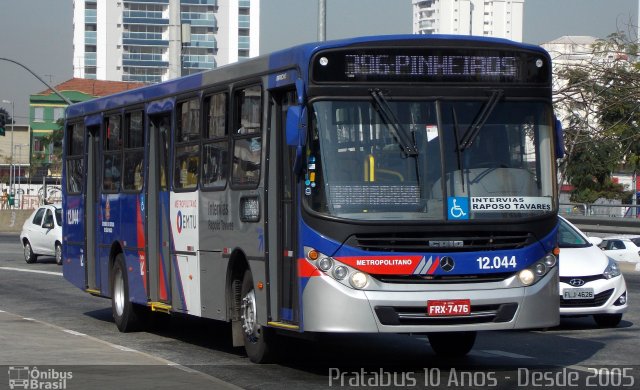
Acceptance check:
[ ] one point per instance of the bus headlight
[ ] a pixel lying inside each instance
(527, 277)
(358, 280)
(340, 272)
(325, 264)
(537, 270)
(550, 260)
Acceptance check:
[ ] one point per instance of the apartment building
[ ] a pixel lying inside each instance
(489, 18)
(156, 40)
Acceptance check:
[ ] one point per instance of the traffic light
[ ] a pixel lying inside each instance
(3, 121)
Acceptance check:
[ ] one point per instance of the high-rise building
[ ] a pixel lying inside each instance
(156, 40)
(489, 18)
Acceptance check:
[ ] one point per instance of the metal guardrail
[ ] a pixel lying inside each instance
(595, 224)
(586, 209)
(599, 218)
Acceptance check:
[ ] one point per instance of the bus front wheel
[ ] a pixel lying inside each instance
(255, 336)
(452, 344)
(127, 315)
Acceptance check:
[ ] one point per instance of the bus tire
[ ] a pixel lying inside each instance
(126, 314)
(256, 337)
(452, 344)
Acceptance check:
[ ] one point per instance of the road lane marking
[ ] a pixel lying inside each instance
(217, 383)
(507, 354)
(73, 332)
(122, 348)
(35, 271)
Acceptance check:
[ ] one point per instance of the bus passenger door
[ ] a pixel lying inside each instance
(286, 214)
(158, 235)
(92, 211)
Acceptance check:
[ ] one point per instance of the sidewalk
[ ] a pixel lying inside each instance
(52, 355)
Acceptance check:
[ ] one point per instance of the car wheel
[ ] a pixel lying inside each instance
(607, 320)
(29, 256)
(452, 344)
(128, 316)
(58, 253)
(256, 337)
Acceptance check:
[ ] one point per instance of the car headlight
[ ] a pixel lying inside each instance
(612, 270)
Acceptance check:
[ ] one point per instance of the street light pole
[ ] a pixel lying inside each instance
(11, 171)
(322, 20)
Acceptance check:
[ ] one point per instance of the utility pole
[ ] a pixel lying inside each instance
(322, 20)
(12, 176)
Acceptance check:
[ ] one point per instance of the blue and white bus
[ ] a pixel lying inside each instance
(389, 184)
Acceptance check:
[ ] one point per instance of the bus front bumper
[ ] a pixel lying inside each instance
(332, 307)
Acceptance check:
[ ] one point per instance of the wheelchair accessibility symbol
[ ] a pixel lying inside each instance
(458, 208)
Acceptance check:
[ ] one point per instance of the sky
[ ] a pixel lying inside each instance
(38, 33)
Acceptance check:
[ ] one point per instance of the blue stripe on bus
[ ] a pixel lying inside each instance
(466, 262)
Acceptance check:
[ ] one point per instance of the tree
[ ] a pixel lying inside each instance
(600, 102)
(9, 119)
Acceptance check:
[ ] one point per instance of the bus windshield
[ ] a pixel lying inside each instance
(471, 159)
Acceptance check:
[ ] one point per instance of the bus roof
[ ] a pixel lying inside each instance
(297, 57)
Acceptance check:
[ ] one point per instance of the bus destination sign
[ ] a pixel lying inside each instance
(430, 65)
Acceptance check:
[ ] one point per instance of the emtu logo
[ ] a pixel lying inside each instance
(185, 221)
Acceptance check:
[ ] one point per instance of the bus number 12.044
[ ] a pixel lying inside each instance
(497, 262)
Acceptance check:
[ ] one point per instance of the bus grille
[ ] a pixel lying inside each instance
(398, 315)
(425, 242)
(443, 279)
(598, 300)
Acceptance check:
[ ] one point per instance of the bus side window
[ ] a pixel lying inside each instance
(247, 145)
(133, 179)
(216, 145)
(75, 160)
(112, 159)
(187, 151)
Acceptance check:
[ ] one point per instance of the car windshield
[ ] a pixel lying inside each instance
(636, 241)
(438, 162)
(568, 237)
(59, 217)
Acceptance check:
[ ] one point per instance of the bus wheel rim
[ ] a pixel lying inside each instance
(249, 319)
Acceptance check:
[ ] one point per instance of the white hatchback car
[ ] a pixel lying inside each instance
(42, 233)
(622, 248)
(590, 282)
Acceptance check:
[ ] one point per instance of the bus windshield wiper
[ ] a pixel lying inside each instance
(479, 121)
(456, 134)
(401, 134)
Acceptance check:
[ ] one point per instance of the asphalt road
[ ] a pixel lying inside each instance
(203, 347)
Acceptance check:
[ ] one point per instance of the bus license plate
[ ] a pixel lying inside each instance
(455, 307)
(577, 293)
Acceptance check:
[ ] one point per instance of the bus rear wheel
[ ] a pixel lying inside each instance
(452, 344)
(126, 314)
(256, 337)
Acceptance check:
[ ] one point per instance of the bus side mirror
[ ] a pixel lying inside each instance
(559, 139)
(296, 132)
